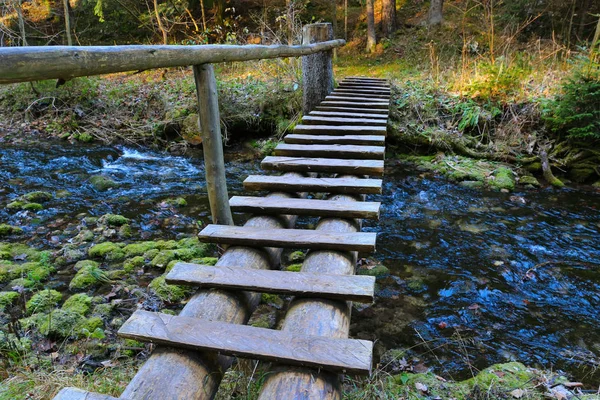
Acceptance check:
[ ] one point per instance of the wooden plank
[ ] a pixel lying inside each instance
(340, 130)
(352, 93)
(319, 185)
(331, 165)
(78, 394)
(331, 151)
(365, 83)
(363, 86)
(312, 207)
(319, 120)
(366, 78)
(337, 355)
(334, 139)
(355, 89)
(349, 114)
(364, 110)
(288, 238)
(352, 104)
(339, 97)
(337, 287)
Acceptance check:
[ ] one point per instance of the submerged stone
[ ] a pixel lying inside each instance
(378, 270)
(102, 183)
(37, 197)
(113, 220)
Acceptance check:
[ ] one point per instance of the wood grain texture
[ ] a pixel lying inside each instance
(372, 140)
(320, 120)
(319, 185)
(78, 394)
(339, 355)
(340, 130)
(356, 90)
(350, 85)
(354, 93)
(358, 99)
(288, 238)
(365, 110)
(304, 284)
(312, 207)
(337, 102)
(331, 165)
(331, 151)
(317, 69)
(349, 114)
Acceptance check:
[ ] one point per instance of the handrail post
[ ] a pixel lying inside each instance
(212, 143)
(317, 69)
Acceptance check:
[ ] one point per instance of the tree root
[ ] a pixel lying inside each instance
(547, 171)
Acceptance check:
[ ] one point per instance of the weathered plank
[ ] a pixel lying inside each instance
(338, 287)
(340, 130)
(352, 93)
(320, 120)
(312, 207)
(288, 238)
(365, 110)
(352, 85)
(349, 114)
(340, 355)
(78, 394)
(366, 78)
(356, 90)
(331, 151)
(331, 165)
(365, 84)
(349, 99)
(352, 104)
(334, 139)
(320, 185)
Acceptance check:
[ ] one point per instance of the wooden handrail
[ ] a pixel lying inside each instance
(24, 64)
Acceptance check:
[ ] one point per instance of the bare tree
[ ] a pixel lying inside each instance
(436, 15)
(67, 8)
(388, 17)
(160, 24)
(371, 38)
(18, 5)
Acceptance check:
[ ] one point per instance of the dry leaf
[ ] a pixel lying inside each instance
(423, 388)
(572, 384)
(517, 393)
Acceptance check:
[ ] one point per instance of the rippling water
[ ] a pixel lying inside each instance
(476, 277)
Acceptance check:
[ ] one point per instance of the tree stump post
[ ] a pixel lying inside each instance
(212, 143)
(317, 69)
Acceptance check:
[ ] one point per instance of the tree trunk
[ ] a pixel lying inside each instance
(68, 22)
(583, 14)
(160, 24)
(19, 9)
(436, 15)
(219, 12)
(346, 20)
(595, 42)
(289, 16)
(547, 171)
(203, 15)
(371, 38)
(388, 18)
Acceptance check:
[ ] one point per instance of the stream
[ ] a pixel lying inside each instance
(476, 277)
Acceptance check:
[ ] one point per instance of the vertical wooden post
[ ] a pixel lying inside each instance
(317, 69)
(210, 127)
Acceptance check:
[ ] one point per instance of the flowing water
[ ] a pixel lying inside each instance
(476, 277)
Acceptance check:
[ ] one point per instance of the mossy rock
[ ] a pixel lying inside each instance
(43, 301)
(113, 220)
(189, 242)
(15, 205)
(378, 271)
(103, 310)
(168, 293)
(80, 303)
(133, 264)
(503, 179)
(102, 183)
(138, 249)
(272, 300)
(7, 299)
(190, 130)
(471, 184)
(294, 268)
(7, 230)
(5, 255)
(63, 324)
(125, 231)
(296, 257)
(107, 250)
(87, 277)
(33, 207)
(581, 175)
(84, 235)
(416, 284)
(37, 197)
(150, 254)
(529, 180)
(85, 263)
(167, 244)
(163, 258)
(117, 274)
(29, 273)
(176, 202)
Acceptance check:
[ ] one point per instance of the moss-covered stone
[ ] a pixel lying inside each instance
(29, 273)
(84, 235)
(102, 183)
(37, 197)
(117, 274)
(15, 205)
(472, 184)
(80, 303)
(133, 264)
(5, 255)
(503, 179)
(416, 284)
(272, 300)
(150, 254)
(103, 310)
(113, 220)
(582, 175)
(138, 249)
(296, 257)
(168, 293)
(378, 271)
(62, 323)
(125, 231)
(87, 277)
(7, 299)
(84, 263)
(294, 267)
(167, 244)
(7, 230)
(163, 258)
(107, 250)
(43, 301)
(529, 180)
(177, 202)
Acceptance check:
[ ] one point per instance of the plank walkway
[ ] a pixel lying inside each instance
(344, 138)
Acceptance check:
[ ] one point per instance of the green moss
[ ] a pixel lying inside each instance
(63, 324)
(511, 374)
(271, 300)
(102, 183)
(15, 205)
(582, 175)
(177, 202)
(88, 276)
(416, 285)
(150, 254)
(114, 220)
(133, 264)
(189, 242)
(163, 258)
(168, 293)
(503, 179)
(85, 263)
(33, 207)
(5, 255)
(137, 249)
(79, 303)
(7, 299)
(7, 230)
(529, 180)
(37, 197)
(43, 301)
(296, 257)
(378, 270)
(117, 274)
(107, 250)
(125, 231)
(294, 267)
(102, 310)
(167, 244)
(205, 260)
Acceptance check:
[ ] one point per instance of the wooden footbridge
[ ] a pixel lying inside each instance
(337, 151)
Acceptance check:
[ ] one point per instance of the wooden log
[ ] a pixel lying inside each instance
(34, 63)
(212, 144)
(339, 355)
(354, 105)
(331, 151)
(319, 185)
(288, 238)
(312, 207)
(78, 394)
(365, 110)
(317, 69)
(331, 165)
(349, 114)
(344, 287)
(372, 140)
(320, 120)
(340, 130)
